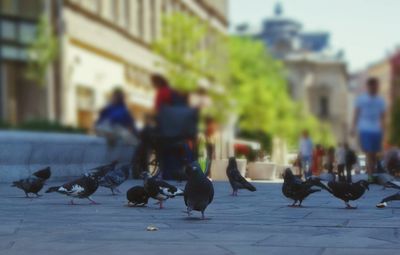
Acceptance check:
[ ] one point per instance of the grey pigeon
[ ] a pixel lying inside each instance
(83, 187)
(137, 196)
(160, 190)
(236, 180)
(101, 171)
(199, 190)
(115, 177)
(34, 183)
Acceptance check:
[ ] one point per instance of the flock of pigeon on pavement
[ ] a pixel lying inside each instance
(198, 192)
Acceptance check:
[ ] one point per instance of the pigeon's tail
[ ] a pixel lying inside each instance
(52, 189)
(393, 184)
(15, 184)
(318, 183)
(313, 191)
(43, 174)
(250, 187)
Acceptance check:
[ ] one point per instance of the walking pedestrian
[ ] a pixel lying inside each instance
(306, 151)
(369, 116)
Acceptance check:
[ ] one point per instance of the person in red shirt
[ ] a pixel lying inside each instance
(164, 93)
(318, 154)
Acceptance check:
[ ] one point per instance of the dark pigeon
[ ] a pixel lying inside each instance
(236, 180)
(199, 190)
(115, 177)
(348, 191)
(83, 187)
(137, 196)
(34, 183)
(296, 189)
(159, 190)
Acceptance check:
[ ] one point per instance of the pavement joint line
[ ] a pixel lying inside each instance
(225, 249)
(321, 251)
(262, 240)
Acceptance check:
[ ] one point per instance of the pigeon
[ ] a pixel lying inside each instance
(296, 189)
(34, 183)
(137, 196)
(159, 190)
(348, 191)
(115, 177)
(385, 201)
(83, 187)
(235, 179)
(199, 190)
(102, 170)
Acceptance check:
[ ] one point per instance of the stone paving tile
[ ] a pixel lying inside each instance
(252, 223)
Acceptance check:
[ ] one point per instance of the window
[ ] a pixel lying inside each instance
(8, 30)
(127, 18)
(153, 19)
(27, 33)
(324, 107)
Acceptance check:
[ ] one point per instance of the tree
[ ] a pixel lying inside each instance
(258, 85)
(42, 52)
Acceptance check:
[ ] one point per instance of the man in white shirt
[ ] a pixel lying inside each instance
(369, 116)
(306, 151)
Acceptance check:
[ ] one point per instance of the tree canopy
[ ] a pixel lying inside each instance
(246, 79)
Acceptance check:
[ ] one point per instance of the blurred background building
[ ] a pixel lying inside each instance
(102, 44)
(317, 76)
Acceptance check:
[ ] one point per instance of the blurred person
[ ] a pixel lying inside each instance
(317, 159)
(391, 160)
(369, 116)
(306, 152)
(330, 159)
(341, 161)
(165, 95)
(116, 122)
(211, 130)
(351, 160)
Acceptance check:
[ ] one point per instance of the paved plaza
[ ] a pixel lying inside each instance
(252, 223)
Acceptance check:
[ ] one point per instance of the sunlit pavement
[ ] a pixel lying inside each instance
(252, 223)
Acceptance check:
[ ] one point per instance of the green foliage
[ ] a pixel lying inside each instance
(246, 79)
(258, 84)
(192, 51)
(395, 123)
(42, 52)
(180, 46)
(263, 138)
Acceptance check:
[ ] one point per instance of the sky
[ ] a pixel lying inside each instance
(367, 30)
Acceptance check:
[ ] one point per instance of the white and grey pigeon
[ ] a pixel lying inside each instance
(159, 190)
(83, 187)
(396, 196)
(199, 190)
(115, 178)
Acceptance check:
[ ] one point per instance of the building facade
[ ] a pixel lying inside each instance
(317, 76)
(103, 44)
(321, 84)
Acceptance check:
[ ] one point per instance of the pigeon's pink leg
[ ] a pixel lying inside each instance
(161, 204)
(72, 202)
(92, 201)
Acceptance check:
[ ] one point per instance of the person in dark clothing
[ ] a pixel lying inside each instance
(351, 159)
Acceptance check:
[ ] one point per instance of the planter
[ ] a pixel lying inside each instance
(218, 168)
(281, 168)
(262, 171)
